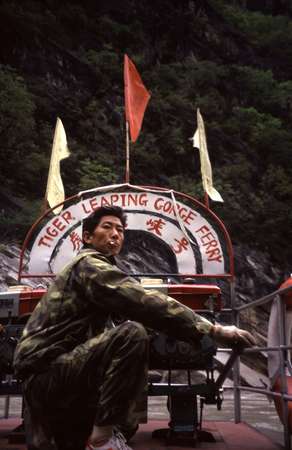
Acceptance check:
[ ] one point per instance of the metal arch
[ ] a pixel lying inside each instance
(29, 234)
(229, 247)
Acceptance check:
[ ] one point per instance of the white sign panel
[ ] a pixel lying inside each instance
(188, 235)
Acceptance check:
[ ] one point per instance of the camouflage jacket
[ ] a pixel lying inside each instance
(81, 300)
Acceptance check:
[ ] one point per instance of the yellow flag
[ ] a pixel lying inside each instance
(200, 142)
(55, 190)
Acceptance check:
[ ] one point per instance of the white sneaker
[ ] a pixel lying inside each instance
(116, 442)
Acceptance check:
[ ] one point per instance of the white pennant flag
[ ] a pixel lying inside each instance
(200, 142)
(55, 190)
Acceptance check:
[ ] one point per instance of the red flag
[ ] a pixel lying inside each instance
(136, 98)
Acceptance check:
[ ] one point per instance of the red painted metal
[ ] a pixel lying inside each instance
(228, 436)
(196, 297)
(29, 299)
(30, 233)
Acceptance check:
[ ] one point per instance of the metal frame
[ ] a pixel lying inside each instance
(282, 349)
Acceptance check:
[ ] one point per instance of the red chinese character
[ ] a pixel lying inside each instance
(155, 225)
(181, 245)
(76, 240)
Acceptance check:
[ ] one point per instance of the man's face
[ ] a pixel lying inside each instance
(107, 237)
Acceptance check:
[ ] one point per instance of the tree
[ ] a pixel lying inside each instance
(17, 124)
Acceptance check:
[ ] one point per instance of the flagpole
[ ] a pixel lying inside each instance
(136, 100)
(45, 202)
(200, 142)
(127, 153)
(55, 194)
(207, 200)
(44, 206)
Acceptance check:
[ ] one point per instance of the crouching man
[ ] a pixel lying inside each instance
(81, 377)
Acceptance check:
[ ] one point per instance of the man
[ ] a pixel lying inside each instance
(72, 362)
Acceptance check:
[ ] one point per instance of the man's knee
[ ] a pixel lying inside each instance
(134, 331)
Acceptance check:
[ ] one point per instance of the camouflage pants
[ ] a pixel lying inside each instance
(96, 383)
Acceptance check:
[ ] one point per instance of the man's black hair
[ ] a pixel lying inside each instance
(90, 222)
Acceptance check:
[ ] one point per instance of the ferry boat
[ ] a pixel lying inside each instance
(177, 244)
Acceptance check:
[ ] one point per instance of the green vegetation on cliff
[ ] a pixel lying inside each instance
(230, 59)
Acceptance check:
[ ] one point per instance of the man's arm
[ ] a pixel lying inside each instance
(117, 293)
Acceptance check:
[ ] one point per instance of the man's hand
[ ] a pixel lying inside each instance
(232, 336)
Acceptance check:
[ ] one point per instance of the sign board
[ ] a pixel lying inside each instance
(192, 233)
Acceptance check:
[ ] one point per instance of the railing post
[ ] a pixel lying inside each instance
(236, 368)
(6, 406)
(284, 387)
(282, 349)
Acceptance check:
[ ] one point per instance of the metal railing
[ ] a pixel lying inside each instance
(284, 363)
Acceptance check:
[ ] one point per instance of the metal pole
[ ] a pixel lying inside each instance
(127, 178)
(227, 367)
(236, 367)
(52, 164)
(6, 406)
(206, 198)
(284, 387)
(263, 300)
(263, 391)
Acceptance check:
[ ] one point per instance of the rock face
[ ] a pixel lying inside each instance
(144, 253)
(9, 264)
(256, 276)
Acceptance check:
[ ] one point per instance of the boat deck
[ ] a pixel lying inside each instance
(228, 436)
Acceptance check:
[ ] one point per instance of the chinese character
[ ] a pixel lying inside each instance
(76, 240)
(181, 245)
(155, 225)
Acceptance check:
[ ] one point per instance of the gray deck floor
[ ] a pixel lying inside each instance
(257, 411)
